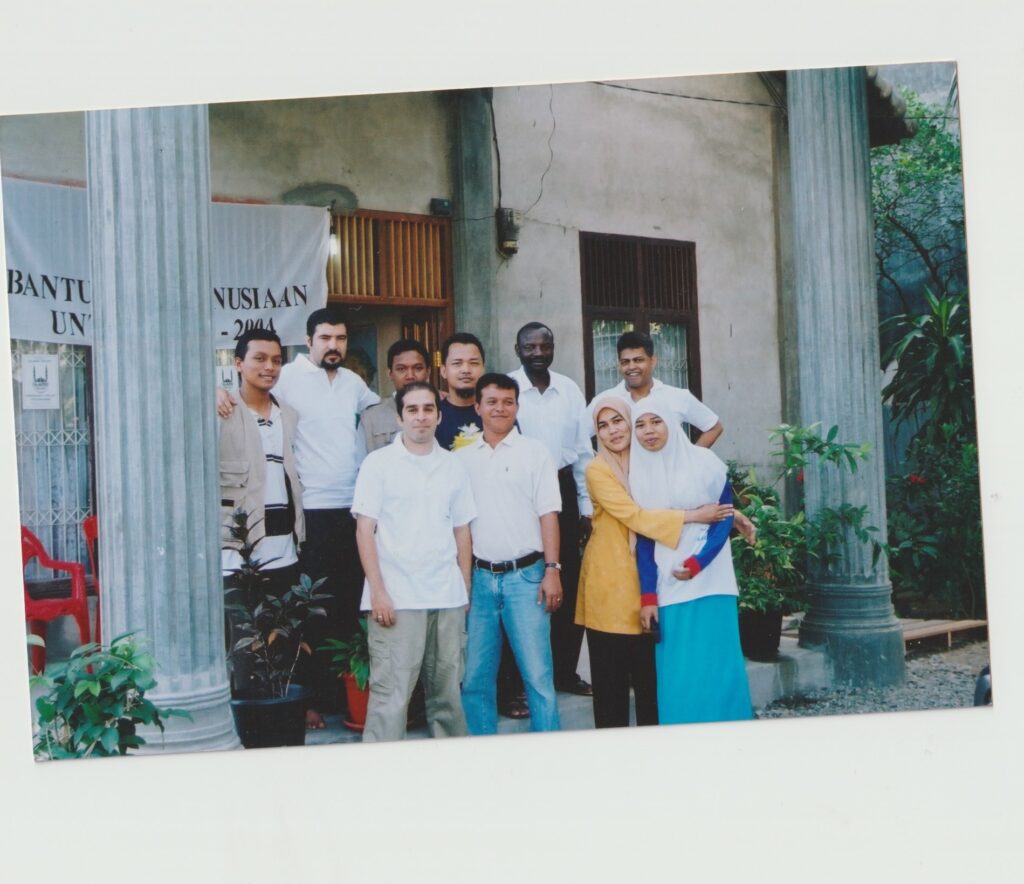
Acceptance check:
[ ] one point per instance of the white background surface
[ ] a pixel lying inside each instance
(903, 796)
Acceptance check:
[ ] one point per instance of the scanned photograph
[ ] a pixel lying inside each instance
(494, 411)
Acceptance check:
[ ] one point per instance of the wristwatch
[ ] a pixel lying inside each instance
(556, 565)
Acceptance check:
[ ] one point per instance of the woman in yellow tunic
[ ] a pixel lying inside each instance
(608, 600)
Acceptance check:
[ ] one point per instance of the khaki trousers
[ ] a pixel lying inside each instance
(421, 642)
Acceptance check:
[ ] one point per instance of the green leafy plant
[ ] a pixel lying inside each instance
(935, 540)
(267, 629)
(918, 206)
(772, 572)
(350, 655)
(94, 702)
(932, 365)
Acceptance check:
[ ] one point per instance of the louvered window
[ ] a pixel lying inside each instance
(645, 284)
(387, 257)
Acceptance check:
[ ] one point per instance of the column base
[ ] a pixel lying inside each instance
(212, 727)
(858, 630)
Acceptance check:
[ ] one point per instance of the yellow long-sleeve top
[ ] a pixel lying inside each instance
(608, 598)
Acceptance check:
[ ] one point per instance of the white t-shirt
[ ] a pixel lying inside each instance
(418, 501)
(687, 408)
(327, 446)
(514, 484)
(553, 418)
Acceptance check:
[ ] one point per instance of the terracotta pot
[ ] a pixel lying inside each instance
(357, 702)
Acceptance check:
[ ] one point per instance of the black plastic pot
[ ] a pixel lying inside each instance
(274, 721)
(760, 634)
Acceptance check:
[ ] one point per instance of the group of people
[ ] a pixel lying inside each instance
(454, 522)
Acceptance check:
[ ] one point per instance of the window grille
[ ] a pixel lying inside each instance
(645, 284)
(387, 257)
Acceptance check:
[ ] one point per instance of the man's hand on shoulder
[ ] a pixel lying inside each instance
(225, 402)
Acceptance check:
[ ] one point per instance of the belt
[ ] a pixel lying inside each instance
(504, 567)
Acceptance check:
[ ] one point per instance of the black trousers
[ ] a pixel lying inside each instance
(566, 636)
(618, 662)
(330, 551)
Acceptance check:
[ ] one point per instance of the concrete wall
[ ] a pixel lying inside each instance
(614, 160)
(572, 157)
(391, 151)
(49, 147)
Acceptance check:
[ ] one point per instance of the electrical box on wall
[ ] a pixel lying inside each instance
(440, 207)
(507, 222)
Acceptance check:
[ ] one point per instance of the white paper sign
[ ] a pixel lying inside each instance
(40, 381)
(267, 266)
(227, 378)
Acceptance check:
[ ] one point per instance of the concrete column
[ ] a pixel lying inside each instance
(156, 437)
(851, 614)
(473, 230)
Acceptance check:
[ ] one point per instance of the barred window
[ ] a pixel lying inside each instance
(642, 284)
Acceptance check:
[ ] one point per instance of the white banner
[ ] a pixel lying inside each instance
(267, 266)
(47, 237)
(269, 269)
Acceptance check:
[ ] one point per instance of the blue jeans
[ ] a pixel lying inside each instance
(508, 600)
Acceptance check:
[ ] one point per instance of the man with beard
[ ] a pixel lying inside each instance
(328, 399)
(549, 409)
(462, 364)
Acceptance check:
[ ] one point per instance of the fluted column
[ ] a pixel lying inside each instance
(473, 230)
(156, 438)
(851, 614)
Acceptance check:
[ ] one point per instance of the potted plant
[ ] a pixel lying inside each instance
(265, 646)
(351, 661)
(94, 701)
(771, 572)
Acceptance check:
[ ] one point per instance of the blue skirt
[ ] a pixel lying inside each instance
(701, 672)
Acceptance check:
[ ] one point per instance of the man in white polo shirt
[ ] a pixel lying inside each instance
(413, 506)
(516, 571)
(636, 365)
(328, 400)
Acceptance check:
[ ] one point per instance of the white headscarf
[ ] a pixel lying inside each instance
(680, 476)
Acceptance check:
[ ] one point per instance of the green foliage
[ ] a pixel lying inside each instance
(931, 353)
(772, 572)
(266, 628)
(798, 444)
(95, 701)
(934, 541)
(917, 198)
(350, 655)
(935, 549)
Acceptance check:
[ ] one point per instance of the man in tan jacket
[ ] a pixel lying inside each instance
(257, 466)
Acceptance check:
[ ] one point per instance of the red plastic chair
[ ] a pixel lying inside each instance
(39, 612)
(91, 532)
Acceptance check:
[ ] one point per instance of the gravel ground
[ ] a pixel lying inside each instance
(935, 679)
